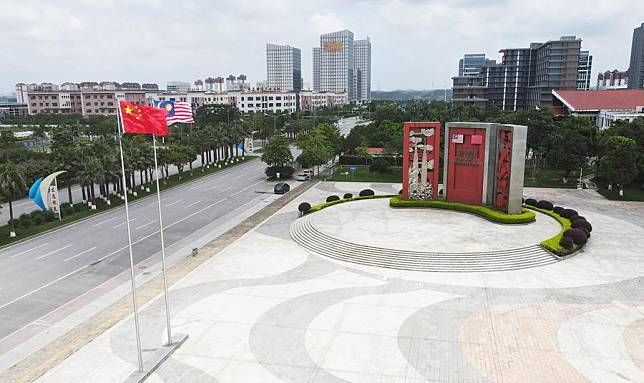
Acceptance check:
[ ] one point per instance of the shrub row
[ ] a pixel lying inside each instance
(575, 228)
(358, 160)
(526, 216)
(331, 200)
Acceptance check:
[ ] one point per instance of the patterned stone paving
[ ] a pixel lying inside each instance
(266, 310)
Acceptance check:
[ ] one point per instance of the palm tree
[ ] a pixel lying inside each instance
(12, 185)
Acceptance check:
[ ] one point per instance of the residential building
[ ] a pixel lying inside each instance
(612, 80)
(311, 100)
(13, 109)
(471, 64)
(283, 67)
(267, 101)
(362, 70)
(602, 106)
(525, 77)
(636, 70)
(316, 69)
(469, 91)
(584, 70)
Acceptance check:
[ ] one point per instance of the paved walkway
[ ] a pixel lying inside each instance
(266, 310)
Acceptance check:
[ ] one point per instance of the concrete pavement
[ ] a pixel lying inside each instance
(267, 310)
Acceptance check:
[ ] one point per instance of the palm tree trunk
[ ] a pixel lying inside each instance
(11, 215)
(83, 190)
(69, 193)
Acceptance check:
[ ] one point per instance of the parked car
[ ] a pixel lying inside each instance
(303, 177)
(281, 188)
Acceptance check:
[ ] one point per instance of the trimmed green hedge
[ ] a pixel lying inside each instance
(327, 204)
(552, 244)
(526, 216)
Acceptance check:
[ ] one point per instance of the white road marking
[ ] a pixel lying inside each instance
(246, 188)
(146, 224)
(79, 254)
(102, 222)
(239, 176)
(210, 188)
(173, 203)
(115, 252)
(26, 251)
(196, 186)
(52, 252)
(228, 188)
(192, 204)
(122, 223)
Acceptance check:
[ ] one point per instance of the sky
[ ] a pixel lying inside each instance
(415, 44)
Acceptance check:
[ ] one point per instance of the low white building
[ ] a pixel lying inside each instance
(311, 100)
(266, 101)
(605, 118)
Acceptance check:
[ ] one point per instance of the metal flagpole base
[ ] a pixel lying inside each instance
(157, 358)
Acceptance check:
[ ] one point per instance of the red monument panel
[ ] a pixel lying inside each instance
(465, 166)
(421, 153)
(504, 163)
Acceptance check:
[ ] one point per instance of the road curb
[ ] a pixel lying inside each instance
(38, 363)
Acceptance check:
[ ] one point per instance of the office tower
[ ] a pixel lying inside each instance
(284, 67)
(316, 69)
(636, 70)
(336, 63)
(362, 69)
(471, 64)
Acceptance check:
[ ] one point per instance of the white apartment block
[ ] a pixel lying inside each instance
(267, 101)
(311, 100)
(283, 67)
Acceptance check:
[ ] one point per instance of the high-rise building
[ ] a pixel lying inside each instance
(636, 71)
(316, 69)
(343, 65)
(584, 69)
(284, 67)
(471, 64)
(362, 69)
(525, 77)
(336, 63)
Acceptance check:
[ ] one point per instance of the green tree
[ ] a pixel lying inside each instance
(316, 149)
(363, 152)
(12, 186)
(620, 161)
(277, 152)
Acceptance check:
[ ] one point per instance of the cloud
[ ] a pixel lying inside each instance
(415, 44)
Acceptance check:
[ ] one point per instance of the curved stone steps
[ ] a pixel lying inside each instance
(305, 234)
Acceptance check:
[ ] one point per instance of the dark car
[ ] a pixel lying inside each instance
(281, 188)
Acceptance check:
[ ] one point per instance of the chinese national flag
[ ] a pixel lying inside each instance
(141, 119)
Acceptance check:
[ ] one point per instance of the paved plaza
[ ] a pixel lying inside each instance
(266, 309)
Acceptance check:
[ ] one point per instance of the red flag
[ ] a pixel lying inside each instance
(143, 119)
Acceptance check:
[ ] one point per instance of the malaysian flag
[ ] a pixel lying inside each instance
(176, 111)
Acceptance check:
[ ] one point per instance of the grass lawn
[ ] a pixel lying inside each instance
(549, 178)
(393, 175)
(172, 181)
(632, 192)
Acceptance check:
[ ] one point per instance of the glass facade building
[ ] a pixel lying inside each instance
(636, 70)
(283, 67)
(336, 63)
(362, 70)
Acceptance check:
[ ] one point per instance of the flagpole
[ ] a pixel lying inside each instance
(129, 243)
(163, 263)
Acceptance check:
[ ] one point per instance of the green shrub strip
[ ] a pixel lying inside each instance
(327, 204)
(526, 216)
(552, 244)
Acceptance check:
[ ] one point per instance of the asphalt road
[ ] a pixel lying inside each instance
(42, 274)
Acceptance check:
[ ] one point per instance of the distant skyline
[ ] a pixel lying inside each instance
(415, 44)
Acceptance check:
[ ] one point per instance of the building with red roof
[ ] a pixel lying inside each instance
(602, 106)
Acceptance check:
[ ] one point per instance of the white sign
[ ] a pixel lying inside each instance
(53, 198)
(457, 138)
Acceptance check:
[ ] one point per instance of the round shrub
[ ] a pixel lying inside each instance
(49, 216)
(566, 243)
(13, 222)
(332, 198)
(531, 202)
(347, 195)
(578, 236)
(37, 217)
(545, 205)
(582, 224)
(304, 207)
(558, 209)
(585, 231)
(24, 221)
(567, 233)
(400, 192)
(366, 192)
(580, 217)
(66, 209)
(380, 165)
(568, 213)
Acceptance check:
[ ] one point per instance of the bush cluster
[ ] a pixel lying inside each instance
(380, 165)
(284, 171)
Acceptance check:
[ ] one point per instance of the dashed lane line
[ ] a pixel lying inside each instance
(53, 252)
(79, 254)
